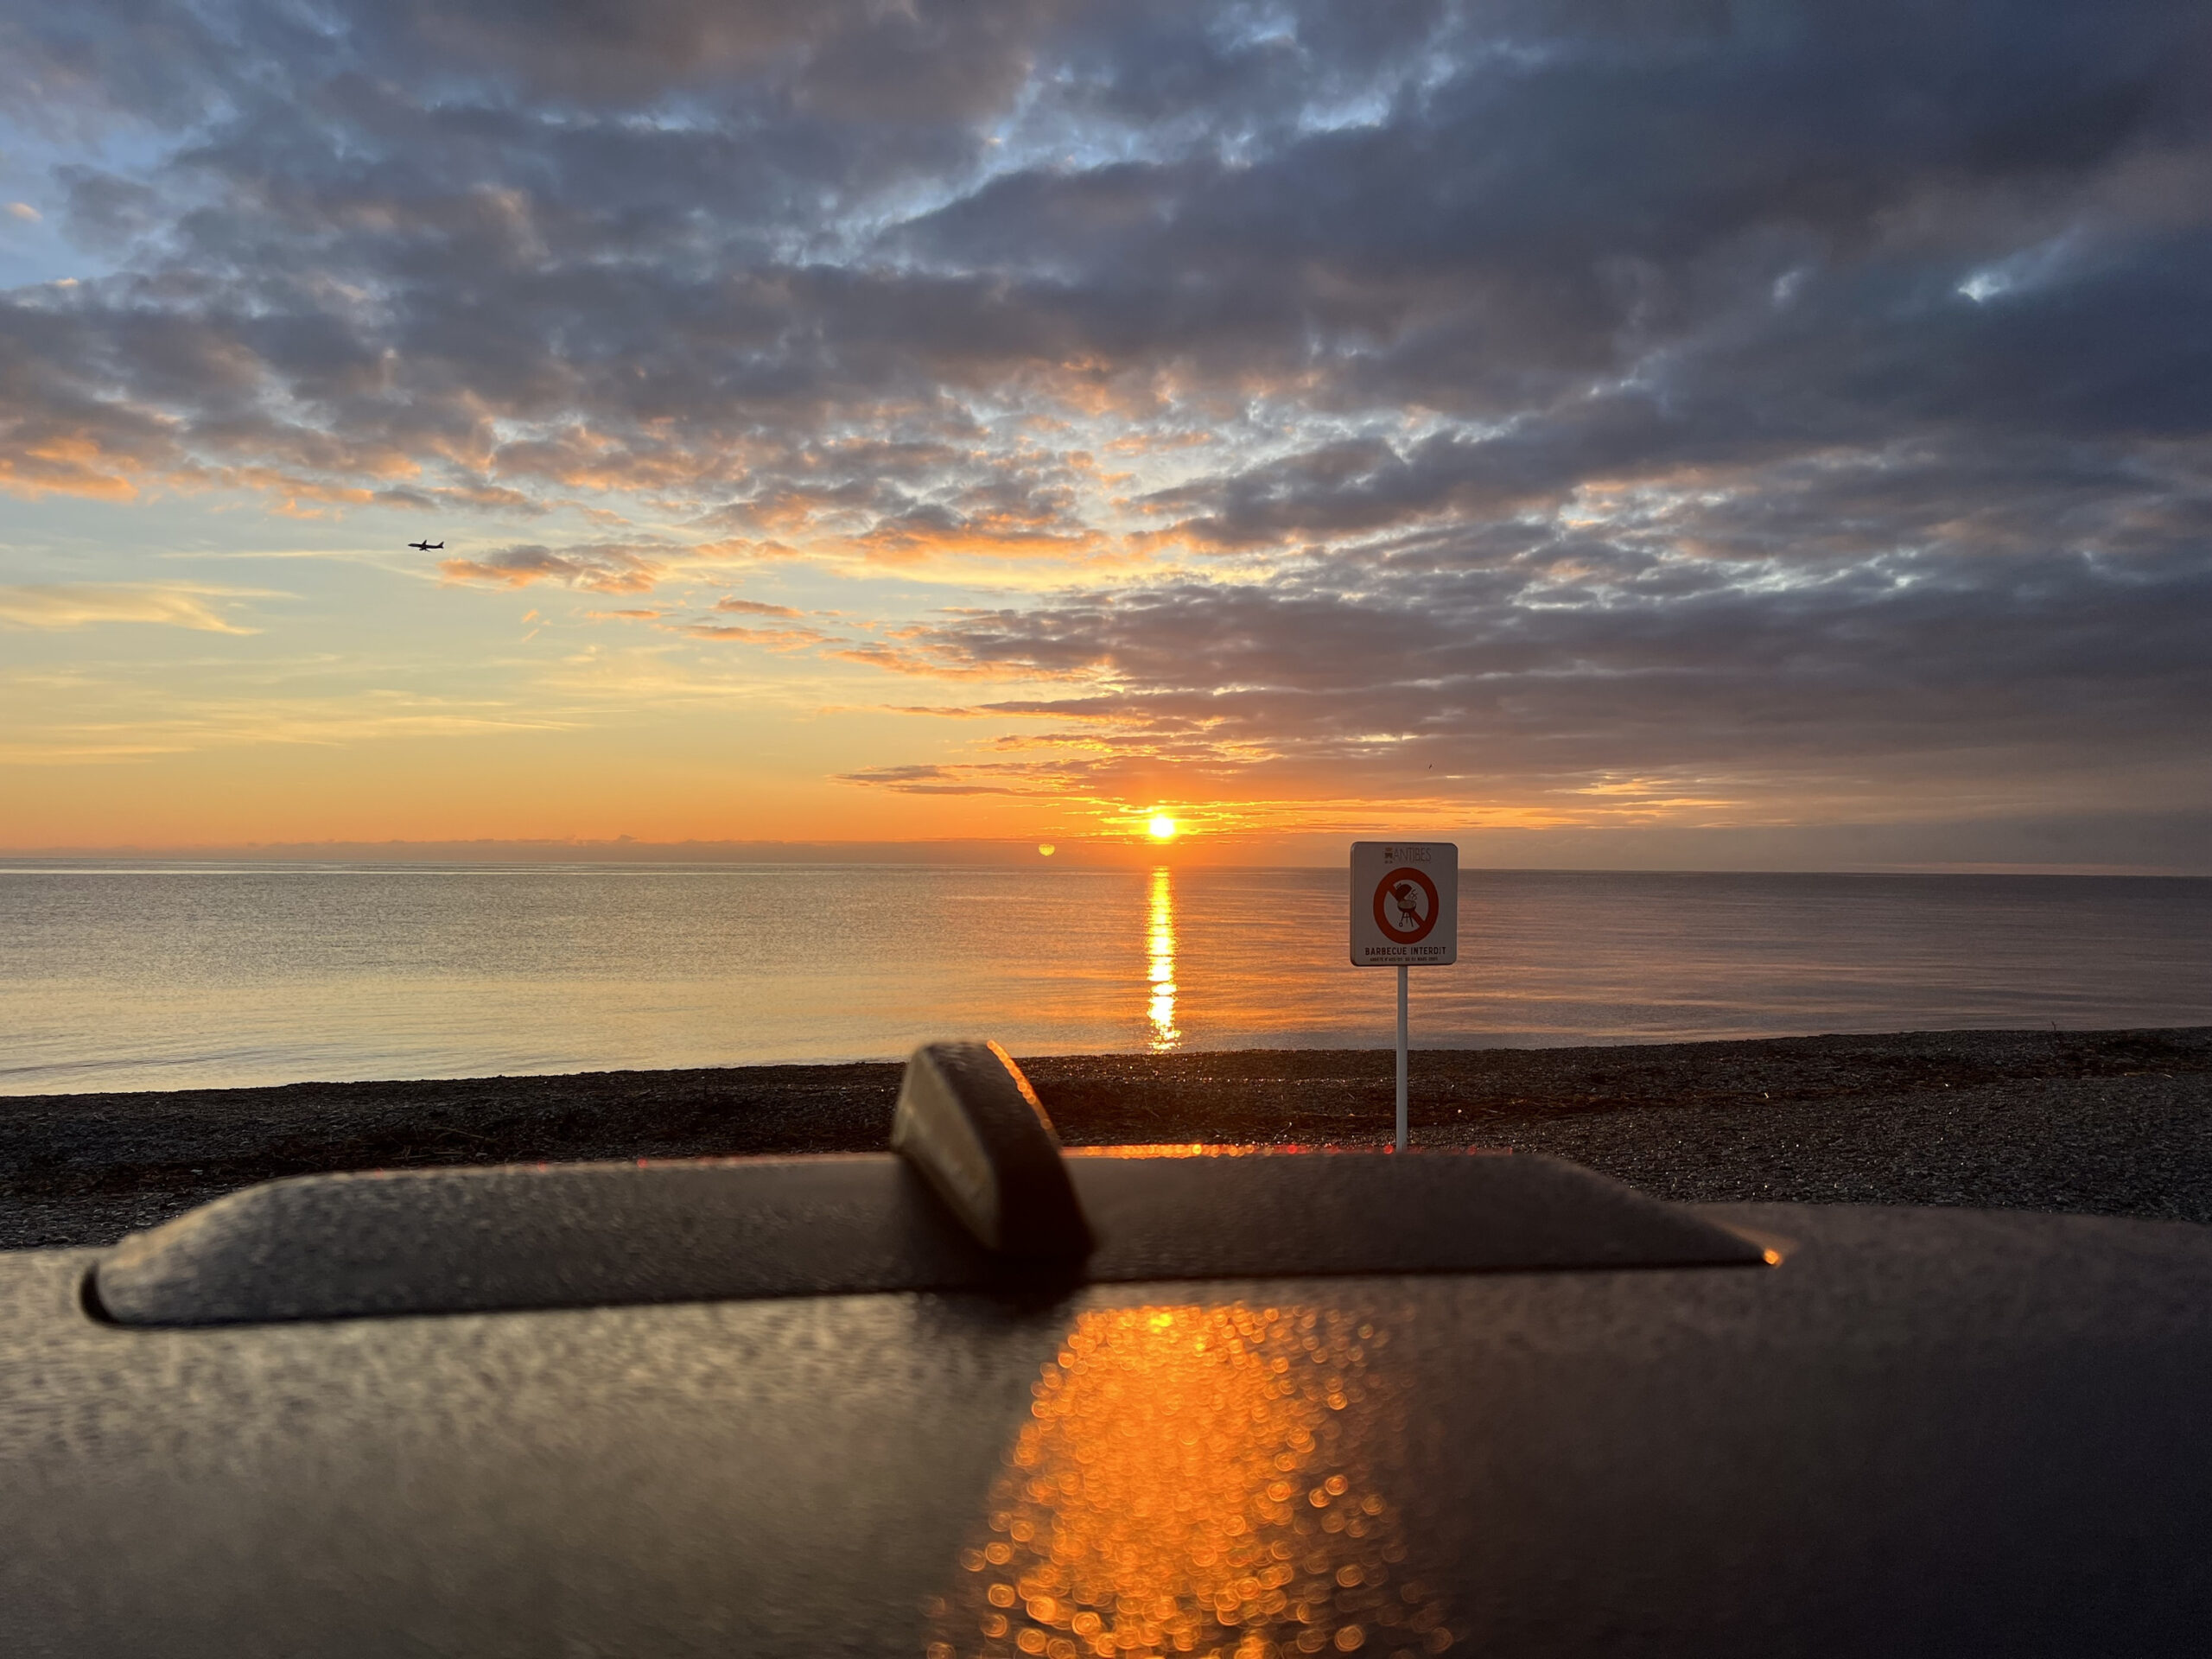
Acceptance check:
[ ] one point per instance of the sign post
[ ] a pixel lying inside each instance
(1405, 914)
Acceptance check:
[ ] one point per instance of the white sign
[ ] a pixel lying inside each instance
(1405, 904)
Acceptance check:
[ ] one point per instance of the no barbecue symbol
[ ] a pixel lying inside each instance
(1406, 906)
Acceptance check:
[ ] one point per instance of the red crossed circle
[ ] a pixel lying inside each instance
(1401, 935)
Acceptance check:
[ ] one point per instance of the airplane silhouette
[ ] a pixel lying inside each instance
(427, 547)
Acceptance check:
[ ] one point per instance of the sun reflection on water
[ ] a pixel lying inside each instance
(1160, 941)
(1193, 1480)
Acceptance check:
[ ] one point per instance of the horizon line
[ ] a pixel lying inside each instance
(1088, 853)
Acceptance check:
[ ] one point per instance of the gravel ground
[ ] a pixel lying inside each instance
(2101, 1122)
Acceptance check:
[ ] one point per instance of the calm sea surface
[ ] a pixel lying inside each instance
(175, 975)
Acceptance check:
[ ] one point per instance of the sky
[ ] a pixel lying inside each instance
(1628, 434)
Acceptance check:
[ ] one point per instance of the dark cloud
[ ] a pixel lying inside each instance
(1768, 389)
(928, 780)
(1588, 672)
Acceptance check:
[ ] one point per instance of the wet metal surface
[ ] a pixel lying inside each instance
(1926, 1433)
(590, 1235)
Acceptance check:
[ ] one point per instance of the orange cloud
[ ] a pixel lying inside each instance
(599, 569)
(775, 639)
(73, 465)
(897, 660)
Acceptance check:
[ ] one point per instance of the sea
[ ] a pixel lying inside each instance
(155, 975)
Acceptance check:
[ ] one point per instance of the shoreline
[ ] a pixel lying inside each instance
(2108, 1122)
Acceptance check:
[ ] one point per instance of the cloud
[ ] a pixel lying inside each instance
(927, 780)
(1550, 673)
(599, 569)
(441, 242)
(1815, 397)
(58, 606)
(728, 633)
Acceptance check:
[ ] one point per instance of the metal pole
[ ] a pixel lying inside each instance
(1402, 1056)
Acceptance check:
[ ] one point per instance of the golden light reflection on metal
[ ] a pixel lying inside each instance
(1160, 939)
(1191, 1481)
(1174, 1149)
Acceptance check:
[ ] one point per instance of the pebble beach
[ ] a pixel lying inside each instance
(2110, 1123)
